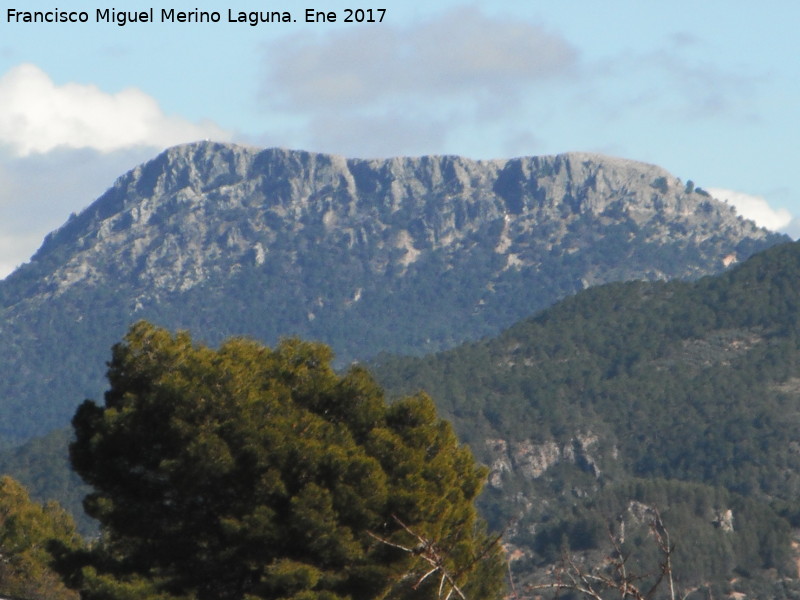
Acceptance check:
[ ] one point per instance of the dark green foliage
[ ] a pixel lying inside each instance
(679, 382)
(245, 472)
(58, 341)
(660, 184)
(686, 382)
(32, 536)
(42, 466)
(708, 546)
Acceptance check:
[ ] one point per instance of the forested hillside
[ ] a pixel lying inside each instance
(680, 395)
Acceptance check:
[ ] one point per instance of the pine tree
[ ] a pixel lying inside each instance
(250, 473)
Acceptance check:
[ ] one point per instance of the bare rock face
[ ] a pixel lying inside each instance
(406, 255)
(530, 460)
(724, 520)
(205, 210)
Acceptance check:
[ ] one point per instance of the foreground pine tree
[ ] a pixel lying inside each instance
(250, 473)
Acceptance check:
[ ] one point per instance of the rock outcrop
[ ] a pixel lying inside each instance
(205, 210)
(529, 460)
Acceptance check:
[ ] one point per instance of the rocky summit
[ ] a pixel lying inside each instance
(205, 210)
(405, 255)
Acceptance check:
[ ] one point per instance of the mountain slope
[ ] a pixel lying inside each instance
(625, 398)
(655, 357)
(680, 395)
(403, 255)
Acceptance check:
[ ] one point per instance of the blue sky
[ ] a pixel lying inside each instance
(709, 91)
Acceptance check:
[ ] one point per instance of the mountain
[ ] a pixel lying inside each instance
(627, 397)
(407, 255)
(681, 397)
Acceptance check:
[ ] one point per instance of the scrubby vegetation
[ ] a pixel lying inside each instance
(689, 390)
(681, 397)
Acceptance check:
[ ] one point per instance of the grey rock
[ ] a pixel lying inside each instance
(203, 210)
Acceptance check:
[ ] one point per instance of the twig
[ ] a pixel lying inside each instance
(571, 576)
(430, 552)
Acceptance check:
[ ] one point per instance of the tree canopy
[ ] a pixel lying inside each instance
(30, 534)
(245, 472)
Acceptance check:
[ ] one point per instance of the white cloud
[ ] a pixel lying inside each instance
(755, 208)
(793, 229)
(461, 52)
(37, 116)
(401, 90)
(61, 146)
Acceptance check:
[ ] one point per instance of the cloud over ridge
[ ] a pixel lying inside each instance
(412, 84)
(37, 116)
(459, 52)
(755, 208)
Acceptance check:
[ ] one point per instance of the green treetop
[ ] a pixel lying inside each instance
(245, 473)
(30, 535)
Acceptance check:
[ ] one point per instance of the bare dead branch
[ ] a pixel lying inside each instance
(428, 551)
(615, 577)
